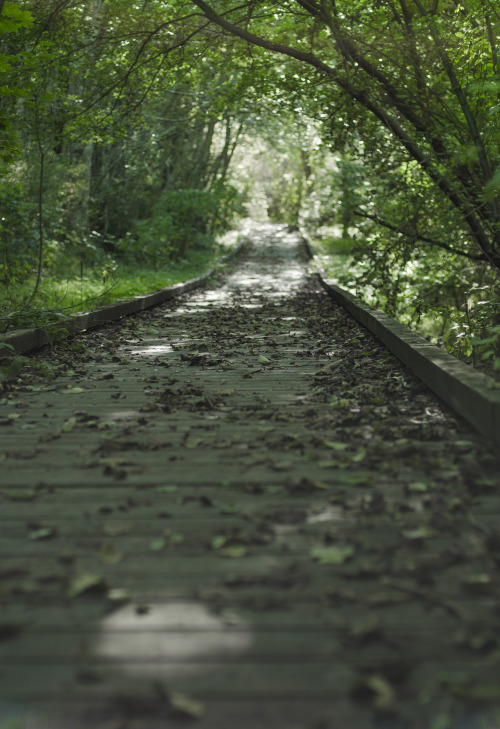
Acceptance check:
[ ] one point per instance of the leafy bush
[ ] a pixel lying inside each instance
(182, 220)
(18, 233)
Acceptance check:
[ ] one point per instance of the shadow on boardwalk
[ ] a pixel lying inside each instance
(240, 510)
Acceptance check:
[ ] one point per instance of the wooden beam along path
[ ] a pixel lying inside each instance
(238, 508)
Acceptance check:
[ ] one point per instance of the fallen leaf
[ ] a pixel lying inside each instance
(21, 495)
(68, 425)
(335, 446)
(419, 533)
(109, 555)
(116, 530)
(357, 479)
(230, 509)
(184, 705)
(86, 582)
(118, 595)
(157, 545)
(417, 486)
(235, 552)
(43, 533)
(337, 554)
(385, 700)
(166, 489)
(263, 360)
(379, 690)
(359, 456)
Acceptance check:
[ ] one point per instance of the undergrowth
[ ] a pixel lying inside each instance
(462, 318)
(60, 296)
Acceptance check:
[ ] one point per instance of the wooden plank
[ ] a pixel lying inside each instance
(274, 624)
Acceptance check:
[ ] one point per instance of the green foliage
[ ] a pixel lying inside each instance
(12, 20)
(17, 233)
(431, 294)
(181, 219)
(488, 348)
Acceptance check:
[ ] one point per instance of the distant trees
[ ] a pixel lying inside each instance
(115, 139)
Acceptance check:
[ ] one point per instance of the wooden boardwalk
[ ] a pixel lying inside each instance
(238, 510)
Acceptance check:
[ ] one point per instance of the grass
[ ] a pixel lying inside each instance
(62, 294)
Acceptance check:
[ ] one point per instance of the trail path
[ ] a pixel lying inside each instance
(240, 498)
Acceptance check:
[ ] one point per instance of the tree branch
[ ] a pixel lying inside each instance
(423, 238)
(387, 119)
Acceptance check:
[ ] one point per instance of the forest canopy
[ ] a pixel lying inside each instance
(123, 127)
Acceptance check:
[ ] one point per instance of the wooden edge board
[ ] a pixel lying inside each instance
(26, 340)
(471, 394)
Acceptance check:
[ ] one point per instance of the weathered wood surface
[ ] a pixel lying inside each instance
(188, 466)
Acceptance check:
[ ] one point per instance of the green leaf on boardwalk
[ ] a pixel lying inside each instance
(166, 489)
(359, 455)
(421, 532)
(173, 537)
(337, 554)
(335, 446)
(115, 529)
(109, 555)
(357, 479)
(218, 541)
(184, 705)
(264, 360)
(118, 595)
(43, 533)
(236, 552)
(382, 693)
(157, 545)
(68, 425)
(86, 582)
(21, 495)
(194, 442)
(418, 486)
(230, 509)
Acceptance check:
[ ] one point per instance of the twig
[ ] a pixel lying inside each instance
(403, 587)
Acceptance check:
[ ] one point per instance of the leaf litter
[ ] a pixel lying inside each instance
(362, 436)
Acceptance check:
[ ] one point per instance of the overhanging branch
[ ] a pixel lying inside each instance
(385, 117)
(424, 238)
